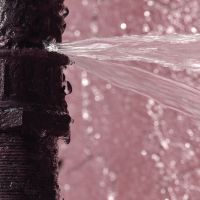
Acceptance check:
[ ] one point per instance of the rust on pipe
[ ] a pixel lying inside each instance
(33, 111)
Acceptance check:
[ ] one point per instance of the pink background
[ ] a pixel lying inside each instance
(125, 146)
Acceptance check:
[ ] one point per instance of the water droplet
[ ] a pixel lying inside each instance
(85, 82)
(94, 28)
(112, 176)
(67, 187)
(77, 33)
(84, 2)
(187, 145)
(105, 171)
(85, 115)
(123, 26)
(111, 196)
(143, 153)
(147, 13)
(194, 30)
(97, 136)
(146, 28)
(89, 130)
(155, 157)
(150, 3)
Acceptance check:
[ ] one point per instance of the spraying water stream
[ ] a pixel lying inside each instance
(118, 60)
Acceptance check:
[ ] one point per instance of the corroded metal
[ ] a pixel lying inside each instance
(33, 111)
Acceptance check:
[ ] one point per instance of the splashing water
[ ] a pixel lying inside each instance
(109, 58)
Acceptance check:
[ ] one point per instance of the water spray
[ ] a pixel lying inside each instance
(121, 61)
(33, 111)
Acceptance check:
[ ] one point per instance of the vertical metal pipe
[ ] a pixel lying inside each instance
(33, 111)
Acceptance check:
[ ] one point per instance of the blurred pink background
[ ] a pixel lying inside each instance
(125, 146)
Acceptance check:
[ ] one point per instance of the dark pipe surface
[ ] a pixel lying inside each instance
(27, 23)
(33, 111)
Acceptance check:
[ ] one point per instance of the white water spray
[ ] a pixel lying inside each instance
(109, 58)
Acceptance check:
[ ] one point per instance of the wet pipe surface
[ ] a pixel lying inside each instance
(33, 111)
